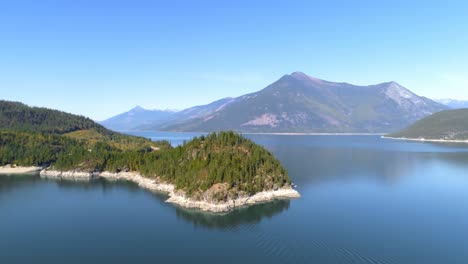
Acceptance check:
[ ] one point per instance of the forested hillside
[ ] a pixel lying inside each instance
(18, 116)
(34, 136)
(445, 125)
(15, 116)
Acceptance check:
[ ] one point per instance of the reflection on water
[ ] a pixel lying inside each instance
(243, 216)
(316, 159)
(9, 183)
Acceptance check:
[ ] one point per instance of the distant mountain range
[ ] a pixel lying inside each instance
(137, 116)
(300, 103)
(445, 125)
(453, 103)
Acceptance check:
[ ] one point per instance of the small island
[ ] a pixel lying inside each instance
(218, 172)
(444, 126)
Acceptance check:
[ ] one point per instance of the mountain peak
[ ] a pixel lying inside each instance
(397, 87)
(400, 94)
(137, 109)
(394, 84)
(303, 77)
(298, 74)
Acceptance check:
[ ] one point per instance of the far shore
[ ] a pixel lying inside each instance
(8, 169)
(267, 133)
(317, 134)
(427, 140)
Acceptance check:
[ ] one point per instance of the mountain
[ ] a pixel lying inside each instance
(137, 117)
(445, 125)
(300, 103)
(203, 110)
(193, 113)
(453, 103)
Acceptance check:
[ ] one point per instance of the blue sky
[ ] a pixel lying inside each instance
(100, 58)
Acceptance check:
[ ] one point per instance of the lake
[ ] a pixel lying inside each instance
(364, 200)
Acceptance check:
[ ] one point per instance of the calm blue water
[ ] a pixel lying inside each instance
(364, 200)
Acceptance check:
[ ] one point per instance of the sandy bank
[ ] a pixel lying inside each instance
(178, 197)
(427, 140)
(8, 169)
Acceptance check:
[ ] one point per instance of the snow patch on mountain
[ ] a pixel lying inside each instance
(401, 95)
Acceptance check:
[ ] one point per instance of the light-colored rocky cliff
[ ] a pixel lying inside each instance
(176, 196)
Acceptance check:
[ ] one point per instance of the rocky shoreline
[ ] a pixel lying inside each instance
(178, 197)
(427, 140)
(11, 169)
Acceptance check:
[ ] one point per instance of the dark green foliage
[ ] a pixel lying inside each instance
(223, 157)
(17, 116)
(27, 149)
(448, 125)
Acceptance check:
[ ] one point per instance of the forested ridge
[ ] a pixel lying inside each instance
(444, 125)
(35, 137)
(20, 117)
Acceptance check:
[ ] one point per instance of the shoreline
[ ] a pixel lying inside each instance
(269, 133)
(315, 134)
(8, 169)
(178, 197)
(427, 140)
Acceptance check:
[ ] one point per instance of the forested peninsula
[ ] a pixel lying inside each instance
(217, 172)
(444, 126)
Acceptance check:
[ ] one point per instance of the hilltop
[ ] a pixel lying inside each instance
(446, 125)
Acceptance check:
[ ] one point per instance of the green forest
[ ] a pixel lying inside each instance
(445, 125)
(35, 136)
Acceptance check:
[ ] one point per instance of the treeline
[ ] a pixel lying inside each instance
(223, 157)
(17, 116)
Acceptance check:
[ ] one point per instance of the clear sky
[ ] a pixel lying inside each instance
(99, 58)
